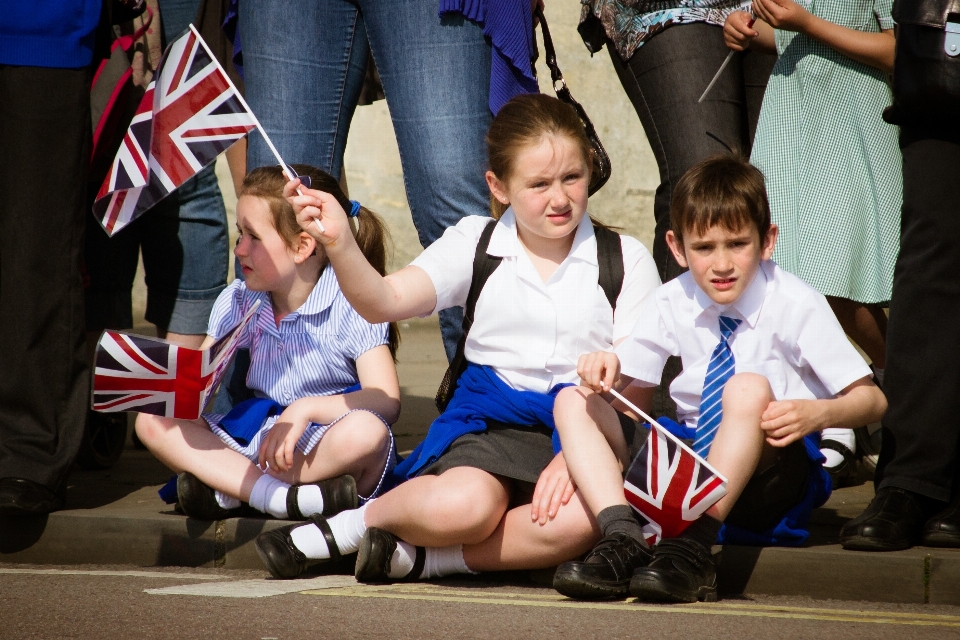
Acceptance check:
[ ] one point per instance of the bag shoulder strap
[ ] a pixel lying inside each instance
(610, 259)
(483, 267)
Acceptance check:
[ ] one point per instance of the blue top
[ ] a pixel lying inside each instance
(314, 350)
(509, 26)
(48, 33)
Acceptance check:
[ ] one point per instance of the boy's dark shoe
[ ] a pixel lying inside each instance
(282, 558)
(374, 557)
(22, 497)
(893, 521)
(605, 572)
(339, 494)
(199, 501)
(682, 570)
(943, 529)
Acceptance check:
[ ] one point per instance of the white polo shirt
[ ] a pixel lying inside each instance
(789, 335)
(530, 331)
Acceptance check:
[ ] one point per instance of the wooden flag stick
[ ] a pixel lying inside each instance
(266, 138)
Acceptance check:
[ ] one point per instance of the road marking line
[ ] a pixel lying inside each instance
(256, 588)
(719, 609)
(131, 574)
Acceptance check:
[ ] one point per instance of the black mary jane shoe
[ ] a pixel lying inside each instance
(374, 557)
(605, 571)
(893, 521)
(943, 529)
(282, 558)
(682, 570)
(197, 500)
(339, 494)
(841, 474)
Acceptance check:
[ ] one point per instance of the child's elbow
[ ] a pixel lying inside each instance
(879, 403)
(391, 410)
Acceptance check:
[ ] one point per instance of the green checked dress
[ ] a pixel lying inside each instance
(832, 165)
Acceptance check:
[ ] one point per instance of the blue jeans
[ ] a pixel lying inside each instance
(304, 64)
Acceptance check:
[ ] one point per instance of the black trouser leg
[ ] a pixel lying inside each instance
(922, 381)
(44, 384)
(664, 79)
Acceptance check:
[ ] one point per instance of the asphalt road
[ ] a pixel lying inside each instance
(131, 602)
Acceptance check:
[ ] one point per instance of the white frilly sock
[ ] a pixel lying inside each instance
(347, 527)
(269, 495)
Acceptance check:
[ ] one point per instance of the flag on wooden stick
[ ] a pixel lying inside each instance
(190, 113)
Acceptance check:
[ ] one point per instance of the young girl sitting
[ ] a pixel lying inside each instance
(832, 165)
(317, 433)
(487, 490)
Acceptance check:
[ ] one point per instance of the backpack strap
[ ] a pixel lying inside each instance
(483, 267)
(610, 259)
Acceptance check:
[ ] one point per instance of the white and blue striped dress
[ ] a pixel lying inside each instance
(312, 352)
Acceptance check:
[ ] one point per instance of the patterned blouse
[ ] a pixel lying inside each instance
(630, 23)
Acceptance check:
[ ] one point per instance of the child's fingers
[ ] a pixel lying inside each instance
(557, 500)
(568, 491)
(290, 189)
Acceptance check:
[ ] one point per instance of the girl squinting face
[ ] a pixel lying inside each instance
(265, 258)
(548, 187)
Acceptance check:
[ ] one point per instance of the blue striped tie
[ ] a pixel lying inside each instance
(720, 369)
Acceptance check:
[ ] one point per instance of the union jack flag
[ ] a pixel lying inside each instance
(670, 485)
(149, 375)
(190, 114)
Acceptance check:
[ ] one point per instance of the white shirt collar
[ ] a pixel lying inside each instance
(505, 242)
(747, 306)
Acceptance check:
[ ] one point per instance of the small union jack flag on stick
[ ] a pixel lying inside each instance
(149, 375)
(669, 484)
(190, 114)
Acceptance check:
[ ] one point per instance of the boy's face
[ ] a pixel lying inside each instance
(722, 262)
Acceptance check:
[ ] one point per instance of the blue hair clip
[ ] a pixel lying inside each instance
(354, 209)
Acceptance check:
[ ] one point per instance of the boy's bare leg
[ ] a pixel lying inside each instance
(520, 543)
(739, 443)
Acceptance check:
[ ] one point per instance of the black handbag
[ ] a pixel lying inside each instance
(926, 71)
(601, 161)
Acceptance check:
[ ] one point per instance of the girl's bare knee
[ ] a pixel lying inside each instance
(359, 435)
(149, 428)
(471, 509)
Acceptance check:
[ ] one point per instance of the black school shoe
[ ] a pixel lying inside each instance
(282, 558)
(374, 557)
(199, 501)
(22, 497)
(943, 529)
(605, 572)
(339, 494)
(682, 570)
(893, 521)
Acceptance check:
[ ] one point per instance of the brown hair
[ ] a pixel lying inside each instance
(372, 236)
(724, 190)
(522, 122)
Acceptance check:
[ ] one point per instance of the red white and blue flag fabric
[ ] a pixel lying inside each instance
(149, 375)
(190, 114)
(670, 485)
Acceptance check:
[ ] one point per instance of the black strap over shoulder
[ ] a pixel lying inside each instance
(483, 267)
(610, 279)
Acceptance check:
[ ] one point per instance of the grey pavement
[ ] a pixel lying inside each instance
(115, 517)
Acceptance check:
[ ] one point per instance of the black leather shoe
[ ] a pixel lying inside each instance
(943, 529)
(841, 474)
(197, 500)
(682, 570)
(282, 558)
(893, 521)
(339, 494)
(22, 497)
(374, 556)
(605, 572)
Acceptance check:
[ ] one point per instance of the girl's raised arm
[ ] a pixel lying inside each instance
(874, 49)
(405, 294)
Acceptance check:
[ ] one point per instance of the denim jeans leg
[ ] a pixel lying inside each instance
(304, 64)
(436, 76)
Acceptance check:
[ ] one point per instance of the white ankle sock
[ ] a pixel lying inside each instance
(444, 561)
(309, 499)
(347, 527)
(401, 562)
(841, 436)
(269, 495)
(225, 501)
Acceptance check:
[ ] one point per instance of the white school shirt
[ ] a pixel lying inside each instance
(789, 334)
(530, 331)
(314, 350)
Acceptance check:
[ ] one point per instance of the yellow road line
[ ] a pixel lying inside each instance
(434, 594)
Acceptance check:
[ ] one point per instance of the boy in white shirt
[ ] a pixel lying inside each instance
(765, 363)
